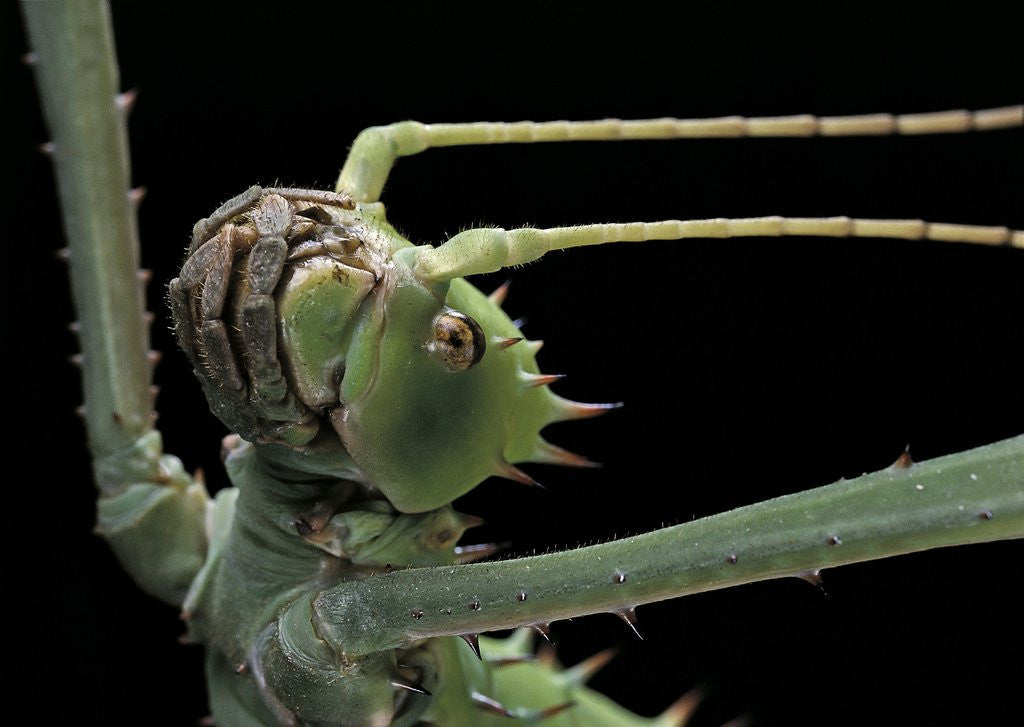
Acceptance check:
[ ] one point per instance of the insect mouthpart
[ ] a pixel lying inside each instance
(259, 270)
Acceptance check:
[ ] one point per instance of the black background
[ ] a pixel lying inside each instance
(750, 368)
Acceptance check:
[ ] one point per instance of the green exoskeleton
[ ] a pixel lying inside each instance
(371, 385)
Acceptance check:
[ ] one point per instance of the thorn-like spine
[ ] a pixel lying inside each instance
(511, 660)
(547, 453)
(153, 357)
(47, 149)
(63, 254)
(502, 343)
(478, 551)
(75, 327)
(135, 196)
(556, 709)
(812, 576)
(679, 713)
(500, 293)
(409, 686)
(904, 461)
(566, 409)
(534, 380)
(76, 360)
(586, 669)
(628, 615)
(534, 346)
(474, 643)
(126, 101)
(544, 630)
(487, 704)
(511, 472)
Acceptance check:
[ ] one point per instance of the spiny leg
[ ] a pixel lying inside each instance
(376, 149)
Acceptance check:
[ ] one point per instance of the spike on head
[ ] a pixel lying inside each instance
(500, 293)
(555, 709)
(511, 472)
(628, 615)
(582, 672)
(534, 380)
(547, 453)
(511, 660)
(565, 409)
(503, 343)
(490, 705)
(680, 712)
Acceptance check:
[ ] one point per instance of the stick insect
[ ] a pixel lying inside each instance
(569, 311)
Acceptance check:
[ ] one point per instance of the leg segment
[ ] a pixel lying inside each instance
(376, 149)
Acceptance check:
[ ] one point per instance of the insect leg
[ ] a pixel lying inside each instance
(376, 149)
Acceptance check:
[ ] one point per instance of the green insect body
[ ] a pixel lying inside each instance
(407, 394)
(369, 385)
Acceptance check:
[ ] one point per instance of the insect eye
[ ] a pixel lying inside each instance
(458, 340)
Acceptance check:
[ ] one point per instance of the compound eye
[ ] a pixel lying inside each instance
(458, 340)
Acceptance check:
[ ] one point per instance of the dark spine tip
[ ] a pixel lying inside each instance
(985, 515)
(732, 558)
(474, 643)
(504, 343)
(416, 613)
(521, 596)
(410, 686)
(490, 705)
(904, 461)
(556, 709)
(544, 630)
(834, 540)
(628, 615)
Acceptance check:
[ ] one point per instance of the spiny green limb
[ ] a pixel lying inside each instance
(972, 496)
(486, 250)
(150, 510)
(74, 65)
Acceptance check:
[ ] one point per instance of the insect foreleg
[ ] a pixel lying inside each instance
(376, 149)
